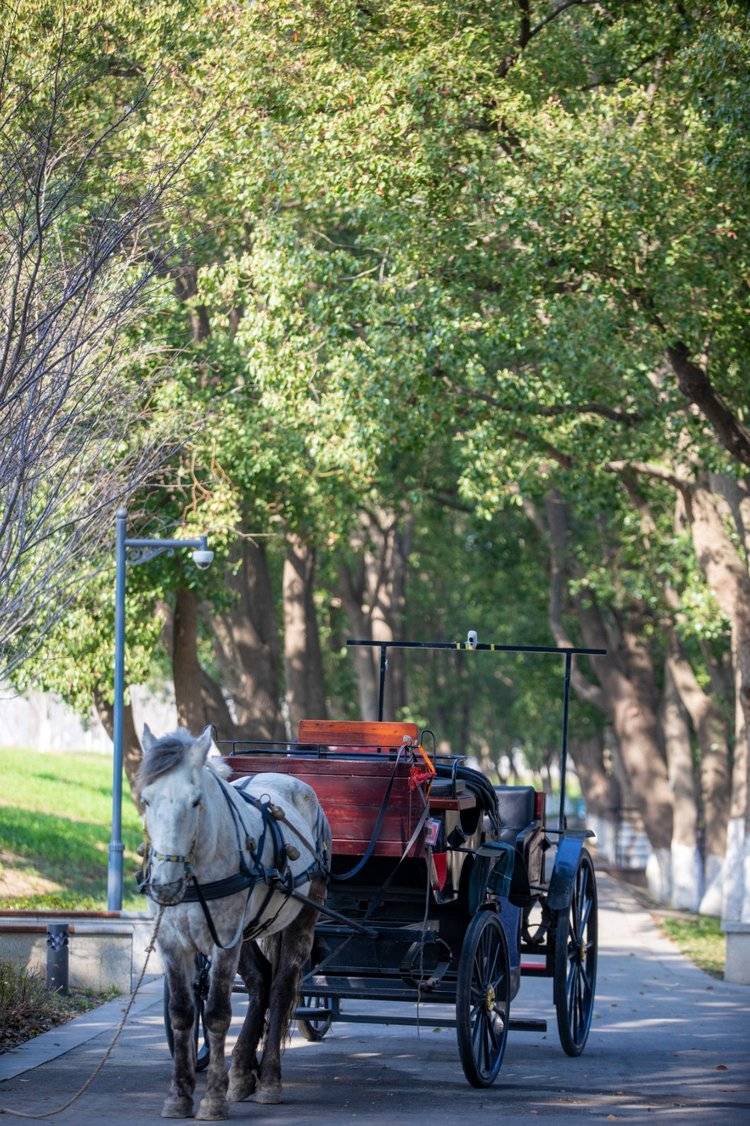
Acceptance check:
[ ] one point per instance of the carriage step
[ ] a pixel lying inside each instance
(523, 1024)
(535, 968)
(527, 1024)
(375, 988)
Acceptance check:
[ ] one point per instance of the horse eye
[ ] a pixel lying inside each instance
(144, 802)
(196, 802)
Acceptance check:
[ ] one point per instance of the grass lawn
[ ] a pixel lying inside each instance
(55, 816)
(700, 938)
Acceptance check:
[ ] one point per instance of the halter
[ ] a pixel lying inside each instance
(186, 860)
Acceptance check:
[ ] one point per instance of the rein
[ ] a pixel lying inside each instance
(278, 878)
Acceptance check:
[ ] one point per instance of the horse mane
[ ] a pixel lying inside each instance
(166, 753)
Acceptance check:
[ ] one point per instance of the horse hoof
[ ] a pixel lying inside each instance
(177, 1108)
(267, 1095)
(240, 1087)
(213, 1110)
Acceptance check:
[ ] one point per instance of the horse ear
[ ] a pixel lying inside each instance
(201, 747)
(147, 739)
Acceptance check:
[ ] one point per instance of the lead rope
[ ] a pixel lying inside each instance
(85, 1086)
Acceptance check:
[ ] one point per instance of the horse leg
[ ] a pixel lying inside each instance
(218, 1015)
(179, 1101)
(295, 947)
(255, 971)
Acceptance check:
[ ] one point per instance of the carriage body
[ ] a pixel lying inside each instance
(436, 873)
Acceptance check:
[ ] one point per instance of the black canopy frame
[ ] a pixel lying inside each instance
(568, 652)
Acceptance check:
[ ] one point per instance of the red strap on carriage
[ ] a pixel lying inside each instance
(420, 774)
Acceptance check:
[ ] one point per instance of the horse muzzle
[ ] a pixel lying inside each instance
(167, 894)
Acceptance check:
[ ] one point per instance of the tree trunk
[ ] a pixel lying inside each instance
(374, 597)
(132, 752)
(736, 495)
(186, 669)
(215, 708)
(598, 785)
(626, 675)
(386, 564)
(365, 661)
(247, 646)
(686, 862)
(600, 790)
(727, 576)
(625, 693)
(303, 661)
(713, 739)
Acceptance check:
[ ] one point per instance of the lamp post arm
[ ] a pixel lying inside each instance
(166, 545)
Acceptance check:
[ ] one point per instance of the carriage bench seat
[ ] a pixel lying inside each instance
(357, 735)
(515, 806)
(351, 780)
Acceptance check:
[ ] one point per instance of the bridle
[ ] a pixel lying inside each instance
(143, 879)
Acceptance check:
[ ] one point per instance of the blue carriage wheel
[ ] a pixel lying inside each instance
(576, 937)
(483, 999)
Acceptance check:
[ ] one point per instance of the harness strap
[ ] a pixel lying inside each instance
(220, 889)
(209, 920)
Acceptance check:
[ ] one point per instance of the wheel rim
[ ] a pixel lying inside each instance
(312, 1001)
(580, 974)
(489, 1004)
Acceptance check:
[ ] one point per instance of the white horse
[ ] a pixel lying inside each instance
(223, 869)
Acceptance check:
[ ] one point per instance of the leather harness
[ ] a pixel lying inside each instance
(278, 878)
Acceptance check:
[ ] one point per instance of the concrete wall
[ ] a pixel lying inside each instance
(102, 953)
(40, 721)
(737, 968)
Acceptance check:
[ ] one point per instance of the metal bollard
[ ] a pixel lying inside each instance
(57, 957)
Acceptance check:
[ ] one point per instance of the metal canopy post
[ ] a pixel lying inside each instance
(383, 670)
(564, 751)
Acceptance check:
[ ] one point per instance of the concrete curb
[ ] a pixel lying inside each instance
(49, 1045)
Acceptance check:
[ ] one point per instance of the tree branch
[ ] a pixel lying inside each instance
(696, 386)
(650, 469)
(558, 410)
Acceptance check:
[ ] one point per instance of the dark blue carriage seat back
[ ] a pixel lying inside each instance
(515, 806)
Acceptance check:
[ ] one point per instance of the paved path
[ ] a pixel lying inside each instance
(668, 1043)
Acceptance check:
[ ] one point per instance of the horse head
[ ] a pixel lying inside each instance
(170, 787)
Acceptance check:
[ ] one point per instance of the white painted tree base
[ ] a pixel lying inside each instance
(659, 874)
(687, 877)
(713, 886)
(736, 905)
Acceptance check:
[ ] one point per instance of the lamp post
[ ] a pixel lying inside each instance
(143, 550)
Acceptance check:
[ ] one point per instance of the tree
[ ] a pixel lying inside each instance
(75, 263)
(487, 258)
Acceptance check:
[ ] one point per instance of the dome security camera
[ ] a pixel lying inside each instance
(203, 558)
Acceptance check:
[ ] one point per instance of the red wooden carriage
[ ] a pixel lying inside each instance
(443, 887)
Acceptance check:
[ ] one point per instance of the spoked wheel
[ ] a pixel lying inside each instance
(200, 986)
(575, 960)
(314, 1029)
(483, 999)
